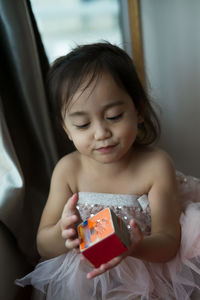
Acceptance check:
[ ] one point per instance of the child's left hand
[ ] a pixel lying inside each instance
(138, 237)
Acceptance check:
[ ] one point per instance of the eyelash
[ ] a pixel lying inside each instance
(116, 117)
(84, 126)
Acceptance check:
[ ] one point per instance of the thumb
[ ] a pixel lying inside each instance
(136, 231)
(70, 206)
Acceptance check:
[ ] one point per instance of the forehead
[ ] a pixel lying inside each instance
(99, 92)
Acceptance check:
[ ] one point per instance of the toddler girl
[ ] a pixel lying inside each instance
(105, 112)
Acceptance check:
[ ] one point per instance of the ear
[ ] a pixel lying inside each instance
(140, 119)
(141, 112)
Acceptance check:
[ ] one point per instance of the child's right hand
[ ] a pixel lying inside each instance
(69, 220)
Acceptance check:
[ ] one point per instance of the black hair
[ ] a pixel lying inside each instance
(68, 72)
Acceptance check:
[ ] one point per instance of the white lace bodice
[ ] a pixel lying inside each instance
(124, 206)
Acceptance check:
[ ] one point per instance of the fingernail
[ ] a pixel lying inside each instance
(71, 231)
(134, 224)
(77, 242)
(74, 217)
(88, 276)
(102, 267)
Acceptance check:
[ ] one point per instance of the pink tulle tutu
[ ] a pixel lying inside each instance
(64, 277)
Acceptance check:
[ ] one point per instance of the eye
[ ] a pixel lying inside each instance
(83, 126)
(115, 117)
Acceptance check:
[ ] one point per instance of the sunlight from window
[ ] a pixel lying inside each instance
(63, 24)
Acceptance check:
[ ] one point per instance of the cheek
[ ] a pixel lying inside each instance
(80, 142)
(129, 131)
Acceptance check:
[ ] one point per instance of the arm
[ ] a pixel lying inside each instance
(163, 243)
(56, 233)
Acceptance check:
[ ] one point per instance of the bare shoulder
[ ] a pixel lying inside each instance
(68, 163)
(62, 181)
(157, 166)
(162, 163)
(160, 158)
(65, 167)
(164, 183)
(155, 158)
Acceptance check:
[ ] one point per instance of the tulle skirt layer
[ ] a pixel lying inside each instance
(64, 277)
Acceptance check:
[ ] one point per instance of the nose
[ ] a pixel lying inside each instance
(102, 131)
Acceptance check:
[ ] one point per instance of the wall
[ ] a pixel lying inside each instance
(171, 38)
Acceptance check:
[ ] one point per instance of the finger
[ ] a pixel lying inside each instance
(70, 206)
(68, 233)
(71, 244)
(138, 235)
(96, 272)
(67, 222)
(111, 264)
(104, 267)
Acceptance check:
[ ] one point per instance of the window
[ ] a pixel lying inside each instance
(63, 24)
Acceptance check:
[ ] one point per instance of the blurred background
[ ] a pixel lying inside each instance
(64, 24)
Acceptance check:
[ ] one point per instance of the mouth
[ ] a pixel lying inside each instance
(106, 149)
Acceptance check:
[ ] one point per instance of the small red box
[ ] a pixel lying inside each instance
(103, 237)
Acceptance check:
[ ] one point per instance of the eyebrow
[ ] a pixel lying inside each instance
(107, 106)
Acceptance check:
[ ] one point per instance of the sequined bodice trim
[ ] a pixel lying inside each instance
(113, 199)
(125, 206)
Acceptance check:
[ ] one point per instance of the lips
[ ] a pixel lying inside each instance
(106, 149)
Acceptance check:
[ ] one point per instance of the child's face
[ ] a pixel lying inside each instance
(102, 120)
